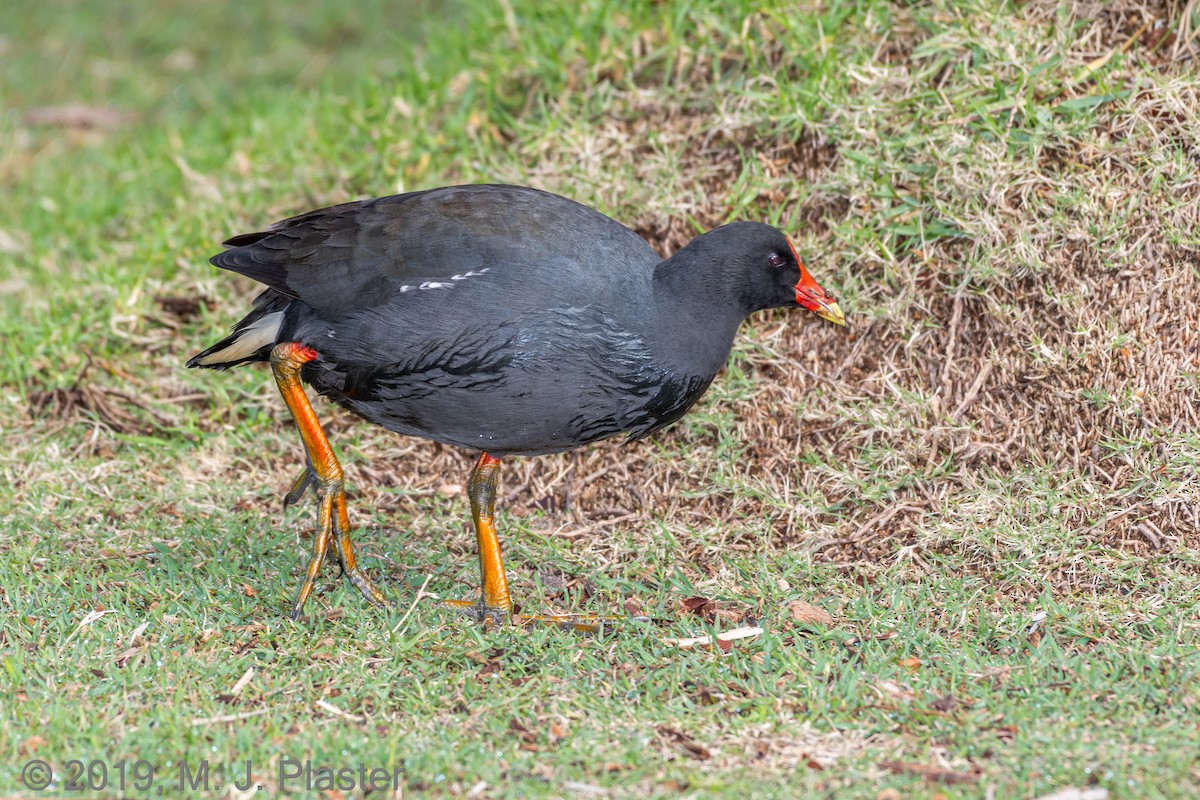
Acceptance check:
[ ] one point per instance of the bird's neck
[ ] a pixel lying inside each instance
(695, 317)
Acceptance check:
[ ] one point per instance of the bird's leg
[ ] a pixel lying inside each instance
(495, 605)
(323, 472)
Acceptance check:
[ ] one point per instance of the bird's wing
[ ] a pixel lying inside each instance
(356, 255)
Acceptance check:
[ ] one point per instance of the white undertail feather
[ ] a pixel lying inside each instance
(255, 337)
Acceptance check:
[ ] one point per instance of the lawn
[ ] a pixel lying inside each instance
(968, 526)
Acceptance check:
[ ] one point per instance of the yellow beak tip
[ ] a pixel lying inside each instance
(833, 314)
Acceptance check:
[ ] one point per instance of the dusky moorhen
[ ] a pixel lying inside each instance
(496, 318)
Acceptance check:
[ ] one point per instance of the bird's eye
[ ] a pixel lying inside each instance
(776, 260)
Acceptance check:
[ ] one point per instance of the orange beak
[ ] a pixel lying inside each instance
(816, 299)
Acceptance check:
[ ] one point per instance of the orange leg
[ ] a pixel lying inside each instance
(495, 605)
(324, 473)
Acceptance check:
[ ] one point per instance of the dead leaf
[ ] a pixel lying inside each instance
(721, 640)
(78, 116)
(732, 616)
(183, 308)
(929, 773)
(1096, 793)
(685, 742)
(528, 738)
(805, 612)
(894, 690)
(133, 654)
(1006, 733)
(30, 745)
(701, 607)
(117, 409)
(946, 703)
(12, 242)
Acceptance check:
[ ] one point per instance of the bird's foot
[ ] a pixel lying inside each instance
(493, 617)
(333, 536)
(580, 623)
(489, 616)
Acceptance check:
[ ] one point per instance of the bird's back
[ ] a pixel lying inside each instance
(502, 242)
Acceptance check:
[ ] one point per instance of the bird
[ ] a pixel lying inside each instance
(504, 320)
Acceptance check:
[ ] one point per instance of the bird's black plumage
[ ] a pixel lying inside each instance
(501, 318)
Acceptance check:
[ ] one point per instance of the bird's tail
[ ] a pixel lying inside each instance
(251, 339)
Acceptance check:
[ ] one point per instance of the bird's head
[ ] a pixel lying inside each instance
(774, 276)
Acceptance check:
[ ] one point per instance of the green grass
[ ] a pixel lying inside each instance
(989, 483)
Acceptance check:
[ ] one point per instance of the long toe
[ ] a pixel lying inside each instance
(581, 623)
(307, 480)
(368, 589)
(347, 556)
(489, 616)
